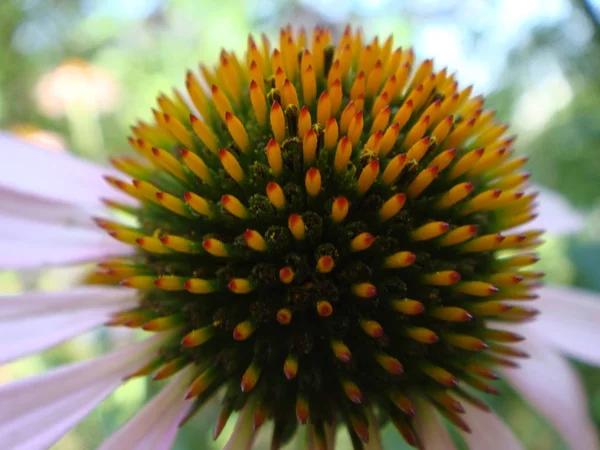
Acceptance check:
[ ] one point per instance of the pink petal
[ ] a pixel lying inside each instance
(32, 322)
(44, 408)
(488, 431)
(569, 321)
(155, 427)
(243, 435)
(26, 244)
(58, 177)
(549, 383)
(430, 429)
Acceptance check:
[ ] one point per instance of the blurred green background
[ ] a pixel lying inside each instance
(75, 74)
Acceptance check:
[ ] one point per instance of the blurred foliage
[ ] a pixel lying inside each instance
(548, 86)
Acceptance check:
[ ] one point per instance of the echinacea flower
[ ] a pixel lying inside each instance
(322, 240)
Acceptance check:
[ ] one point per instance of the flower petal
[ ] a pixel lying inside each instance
(35, 321)
(550, 384)
(44, 408)
(243, 434)
(374, 435)
(155, 426)
(488, 431)
(58, 177)
(26, 243)
(431, 431)
(569, 321)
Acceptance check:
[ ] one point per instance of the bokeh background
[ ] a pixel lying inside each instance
(75, 74)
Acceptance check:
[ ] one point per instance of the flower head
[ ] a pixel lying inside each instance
(326, 238)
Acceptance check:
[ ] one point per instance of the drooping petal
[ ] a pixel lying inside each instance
(58, 177)
(554, 214)
(155, 426)
(488, 431)
(430, 429)
(35, 321)
(569, 321)
(26, 244)
(243, 434)
(374, 435)
(549, 383)
(44, 408)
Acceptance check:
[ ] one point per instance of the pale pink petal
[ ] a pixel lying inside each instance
(554, 214)
(27, 244)
(44, 408)
(35, 321)
(549, 383)
(430, 429)
(488, 431)
(569, 321)
(155, 426)
(374, 436)
(243, 434)
(58, 177)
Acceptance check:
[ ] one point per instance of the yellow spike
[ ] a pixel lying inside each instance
(296, 226)
(317, 51)
(276, 195)
(197, 166)
(304, 122)
(341, 351)
(480, 201)
(373, 143)
(324, 308)
(345, 60)
(358, 87)
(416, 132)
(240, 286)
(215, 247)
(375, 79)
(335, 72)
(331, 133)
(489, 159)
(323, 108)
(402, 75)
(277, 122)
(197, 95)
(148, 190)
(200, 285)
(279, 76)
(335, 96)
(325, 264)
(392, 207)
(342, 155)
(439, 374)
(309, 86)
(198, 204)
(442, 278)
(483, 243)
(458, 235)
(355, 128)
(371, 328)
(364, 290)
(125, 236)
(172, 203)
(180, 244)
(201, 383)
(367, 177)
(399, 260)
(274, 158)
(221, 102)
(259, 104)
(509, 167)
(178, 131)
(476, 288)
(455, 195)
(255, 241)
(306, 60)
(444, 159)
(424, 70)
(403, 114)
(429, 231)
(256, 75)
(511, 181)
(312, 182)
(504, 279)
(234, 206)
(362, 242)
(167, 161)
(450, 314)
(381, 120)
(422, 181)
(460, 133)
(389, 139)
(237, 131)
(309, 147)
(347, 115)
(433, 112)
(418, 150)
(339, 209)
(170, 368)
(442, 129)
(423, 335)
(286, 275)
(291, 58)
(288, 94)
(140, 282)
(204, 133)
(380, 103)
(169, 283)
(231, 165)
(465, 163)
(493, 133)
(152, 245)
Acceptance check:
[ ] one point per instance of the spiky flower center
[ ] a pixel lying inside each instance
(322, 233)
